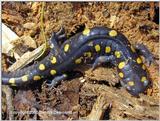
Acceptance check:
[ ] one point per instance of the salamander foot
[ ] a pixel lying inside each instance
(56, 80)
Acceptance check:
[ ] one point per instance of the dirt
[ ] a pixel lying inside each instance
(73, 99)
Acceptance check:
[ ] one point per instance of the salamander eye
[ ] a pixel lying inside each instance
(133, 88)
(130, 85)
(145, 81)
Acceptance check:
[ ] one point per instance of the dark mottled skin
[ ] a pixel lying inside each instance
(83, 43)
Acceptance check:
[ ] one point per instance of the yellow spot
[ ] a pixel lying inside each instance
(12, 81)
(121, 65)
(143, 79)
(53, 60)
(66, 48)
(108, 49)
(121, 75)
(78, 61)
(97, 48)
(36, 78)
(144, 67)
(53, 72)
(86, 31)
(41, 67)
(131, 83)
(112, 33)
(133, 50)
(139, 61)
(88, 54)
(117, 54)
(25, 78)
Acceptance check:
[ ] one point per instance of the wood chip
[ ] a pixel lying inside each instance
(29, 25)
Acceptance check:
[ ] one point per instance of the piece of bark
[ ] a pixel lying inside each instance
(98, 109)
(125, 106)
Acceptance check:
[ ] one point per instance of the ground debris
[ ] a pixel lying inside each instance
(25, 105)
(60, 103)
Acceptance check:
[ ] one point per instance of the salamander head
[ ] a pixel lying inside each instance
(137, 83)
(134, 77)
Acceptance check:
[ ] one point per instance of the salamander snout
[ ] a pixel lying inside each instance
(137, 86)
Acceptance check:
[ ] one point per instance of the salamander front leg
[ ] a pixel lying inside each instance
(102, 59)
(57, 37)
(142, 49)
(57, 80)
(61, 34)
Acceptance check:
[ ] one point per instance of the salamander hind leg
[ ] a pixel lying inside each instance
(61, 34)
(102, 59)
(56, 80)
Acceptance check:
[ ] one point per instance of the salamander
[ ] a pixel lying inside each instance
(98, 45)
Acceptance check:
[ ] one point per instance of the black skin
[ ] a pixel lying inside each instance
(79, 44)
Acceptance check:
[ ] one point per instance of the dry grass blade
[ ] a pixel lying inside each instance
(26, 59)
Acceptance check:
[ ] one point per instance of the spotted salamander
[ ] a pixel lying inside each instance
(99, 45)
